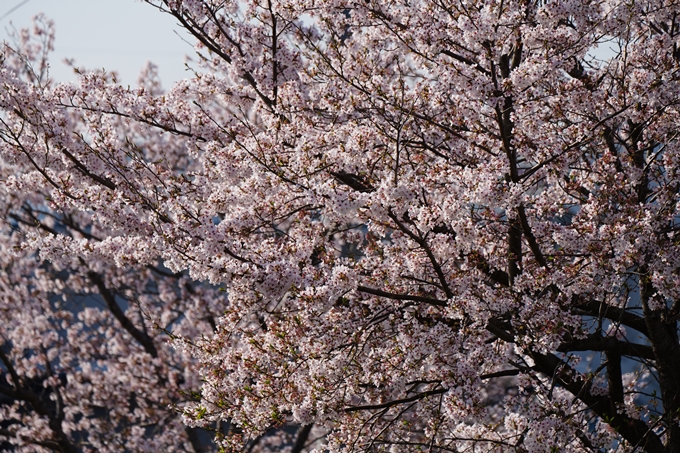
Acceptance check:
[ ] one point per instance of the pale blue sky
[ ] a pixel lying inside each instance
(118, 35)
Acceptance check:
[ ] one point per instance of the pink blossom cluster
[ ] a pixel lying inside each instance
(360, 226)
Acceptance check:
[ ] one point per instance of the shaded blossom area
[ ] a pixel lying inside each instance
(366, 226)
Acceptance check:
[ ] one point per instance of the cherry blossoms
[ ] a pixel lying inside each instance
(444, 226)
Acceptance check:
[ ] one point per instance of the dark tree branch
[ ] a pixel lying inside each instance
(636, 432)
(597, 342)
(393, 403)
(378, 292)
(21, 392)
(531, 239)
(602, 310)
(301, 439)
(110, 300)
(85, 172)
(355, 182)
(466, 61)
(614, 379)
(496, 275)
(426, 248)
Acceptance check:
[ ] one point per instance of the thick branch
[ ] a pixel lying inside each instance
(466, 61)
(355, 182)
(109, 298)
(377, 292)
(614, 379)
(602, 310)
(496, 275)
(194, 440)
(20, 392)
(636, 432)
(664, 340)
(597, 342)
(83, 169)
(514, 250)
(416, 397)
(531, 239)
(301, 440)
(426, 248)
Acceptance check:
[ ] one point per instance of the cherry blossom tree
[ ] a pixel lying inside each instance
(84, 365)
(360, 226)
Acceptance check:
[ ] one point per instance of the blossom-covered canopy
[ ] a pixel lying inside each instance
(421, 225)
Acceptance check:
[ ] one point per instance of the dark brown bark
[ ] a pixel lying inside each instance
(109, 298)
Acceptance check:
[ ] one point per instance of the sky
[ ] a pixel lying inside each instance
(120, 35)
